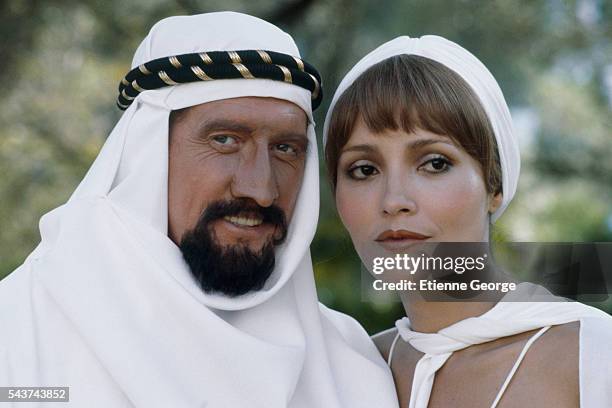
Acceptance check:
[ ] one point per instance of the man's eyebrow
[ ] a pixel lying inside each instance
(224, 124)
(297, 136)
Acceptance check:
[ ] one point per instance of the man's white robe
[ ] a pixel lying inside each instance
(106, 305)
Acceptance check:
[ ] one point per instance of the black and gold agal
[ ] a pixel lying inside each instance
(208, 66)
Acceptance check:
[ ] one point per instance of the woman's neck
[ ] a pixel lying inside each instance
(430, 317)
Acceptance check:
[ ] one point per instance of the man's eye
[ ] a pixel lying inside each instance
(286, 148)
(362, 172)
(225, 140)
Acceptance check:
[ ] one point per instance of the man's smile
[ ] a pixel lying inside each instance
(232, 229)
(244, 220)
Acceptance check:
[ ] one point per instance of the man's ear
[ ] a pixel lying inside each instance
(495, 201)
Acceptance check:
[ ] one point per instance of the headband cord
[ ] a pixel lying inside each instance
(209, 66)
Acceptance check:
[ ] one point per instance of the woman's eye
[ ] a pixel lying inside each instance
(225, 140)
(362, 172)
(438, 164)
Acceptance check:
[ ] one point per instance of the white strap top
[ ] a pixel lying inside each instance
(517, 363)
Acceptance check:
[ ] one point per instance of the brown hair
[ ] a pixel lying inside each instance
(410, 91)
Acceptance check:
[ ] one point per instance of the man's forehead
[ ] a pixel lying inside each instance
(250, 113)
(256, 103)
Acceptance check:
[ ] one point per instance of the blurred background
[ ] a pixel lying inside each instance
(61, 62)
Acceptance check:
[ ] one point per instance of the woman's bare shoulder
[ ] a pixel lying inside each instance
(554, 359)
(383, 341)
(560, 340)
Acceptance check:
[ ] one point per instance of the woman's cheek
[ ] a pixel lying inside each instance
(456, 204)
(355, 211)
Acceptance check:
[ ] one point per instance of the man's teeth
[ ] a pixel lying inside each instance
(249, 222)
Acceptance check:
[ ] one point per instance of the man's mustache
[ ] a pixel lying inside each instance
(272, 215)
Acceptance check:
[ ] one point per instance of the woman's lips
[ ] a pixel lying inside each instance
(399, 239)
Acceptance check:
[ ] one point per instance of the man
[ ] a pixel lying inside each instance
(178, 274)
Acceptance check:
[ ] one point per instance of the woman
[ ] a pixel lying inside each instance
(419, 147)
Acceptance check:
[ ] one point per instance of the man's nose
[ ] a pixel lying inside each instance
(255, 178)
(396, 197)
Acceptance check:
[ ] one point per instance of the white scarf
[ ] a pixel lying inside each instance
(529, 307)
(110, 308)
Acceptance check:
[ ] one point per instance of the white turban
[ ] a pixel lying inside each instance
(106, 305)
(475, 74)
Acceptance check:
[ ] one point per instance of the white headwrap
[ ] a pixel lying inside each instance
(107, 306)
(477, 77)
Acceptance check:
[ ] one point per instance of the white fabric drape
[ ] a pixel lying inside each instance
(530, 307)
(106, 305)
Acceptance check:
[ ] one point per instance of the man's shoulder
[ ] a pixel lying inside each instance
(15, 281)
(345, 324)
(383, 341)
(15, 295)
(351, 331)
(14, 303)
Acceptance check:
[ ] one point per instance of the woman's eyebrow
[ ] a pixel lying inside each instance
(419, 143)
(415, 144)
(359, 148)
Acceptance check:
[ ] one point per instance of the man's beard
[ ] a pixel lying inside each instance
(231, 270)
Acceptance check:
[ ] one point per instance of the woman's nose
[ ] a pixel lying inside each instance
(397, 198)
